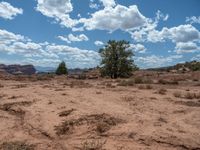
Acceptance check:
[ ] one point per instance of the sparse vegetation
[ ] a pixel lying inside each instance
(16, 146)
(102, 127)
(92, 145)
(162, 91)
(189, 95)
(129, 82)
(99, 120)
(66, 113)
(173, 82)
(147, 86)
(60, 117)
(138, 80)
(177, 94)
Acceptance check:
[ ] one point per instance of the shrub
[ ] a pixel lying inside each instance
(161, 81)
(138, 80)
(192, 95)
(62, 69)
(129, 82)
(16, 146)
(149, 86)
(93, 145)
(102, 127)
(145, 87)
(177, 94)
(162, 91)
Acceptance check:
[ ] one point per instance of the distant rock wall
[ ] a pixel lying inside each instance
(18, 69)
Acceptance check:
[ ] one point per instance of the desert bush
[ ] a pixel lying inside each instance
(128, 98)
(148, 87)
(102, 127)
(93, 145)
(109, 85)
(162, 81)
(66, 113)
(98, 92)
(189, 95)
(79, 84)
(82, 77)
(195, 80)
(138, 80)
(16, 146)
(162, 91)
(147, 81)
(129, 82)
(44, 77)
(177, 94)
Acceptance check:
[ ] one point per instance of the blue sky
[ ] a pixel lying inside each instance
(45, 32)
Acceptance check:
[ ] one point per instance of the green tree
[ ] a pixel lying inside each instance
(62, 69)
(117, 59)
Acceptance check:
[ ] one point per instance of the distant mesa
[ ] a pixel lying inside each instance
(181, 67)
(18, 69)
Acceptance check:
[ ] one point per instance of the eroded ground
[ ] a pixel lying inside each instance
(66, 114)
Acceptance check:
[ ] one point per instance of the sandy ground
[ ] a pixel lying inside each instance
(98, 114)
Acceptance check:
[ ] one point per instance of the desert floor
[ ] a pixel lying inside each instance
(69, 114)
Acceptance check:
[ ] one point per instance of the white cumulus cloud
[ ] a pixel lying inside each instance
(154, 61)
(188, 47)
(43, 54)
(7, 11)
(108, 3)
(57, 9)
(74, 38)
(138, 48)
(113, 18)
(193, 19)
(98, 43)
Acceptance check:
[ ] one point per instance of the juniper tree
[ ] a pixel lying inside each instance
(62, 69)
(117, 59)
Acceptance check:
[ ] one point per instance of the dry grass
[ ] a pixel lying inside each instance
(12, 109)
(67, 126)
(189, 95)
(177, 94)
(102, 127)
(110, 85)
(79, 84)
(138, 80)
(93, 145)
(98, 92)
(128, 98)
(66, 113)
(162, 91)
(129, 82)
(148, 87)
(132, 82)
(16, 146)
(173, 82)
(20, 86)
